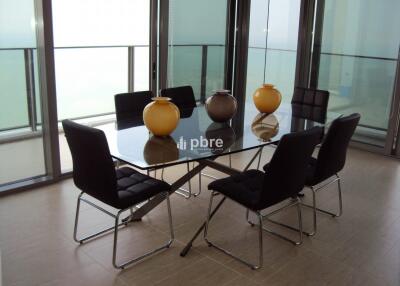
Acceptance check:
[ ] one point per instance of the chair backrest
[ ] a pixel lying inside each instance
(310, 104)
(332, 154)
(131, 104)
(93, 168)
(182, 96)
(286, 172)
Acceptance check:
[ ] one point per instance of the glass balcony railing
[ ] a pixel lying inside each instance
(88, 77)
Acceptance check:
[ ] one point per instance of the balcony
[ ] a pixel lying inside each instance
(88, 77)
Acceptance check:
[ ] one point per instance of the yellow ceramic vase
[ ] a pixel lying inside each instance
(161, 116)
(267, 98)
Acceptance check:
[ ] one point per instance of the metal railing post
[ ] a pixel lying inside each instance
(131, 68)
(30, 88)
(204, 58)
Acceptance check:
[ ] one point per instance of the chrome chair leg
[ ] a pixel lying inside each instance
(200, 186)
(260, 242)
(314, 203)
(260, 238)
(247, 217)
(257, 154)
(340, 197)
(115, 227)
(190, 181)
(136, 259)
(300, 221)
(78, 205)
(259, 158)
(294, 202)
(199, 192)
(186, 193)
(314, 199)
(171, 227)
(90, 236)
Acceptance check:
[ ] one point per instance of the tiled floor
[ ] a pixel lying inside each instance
(360, 248)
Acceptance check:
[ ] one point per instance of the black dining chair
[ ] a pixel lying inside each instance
(130, 105)
(94, 174)
(323, 170)
(256, 190)
(307, 103)
(311, 104)
(129, 109)
(330, 161)
(183, 98)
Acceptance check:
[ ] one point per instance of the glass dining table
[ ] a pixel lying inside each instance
(198, 139)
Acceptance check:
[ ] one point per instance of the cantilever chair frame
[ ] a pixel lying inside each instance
(315, 189)
(186, 193)
(117, 98)
(329, 175)
(293, 202)
(318, 188)
(325, 92)
(115, 229)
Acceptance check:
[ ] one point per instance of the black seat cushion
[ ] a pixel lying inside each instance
(94, 171)
(284, 177)
(134, 187)
(245, 188)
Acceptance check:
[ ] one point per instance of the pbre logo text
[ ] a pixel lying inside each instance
(200, 143)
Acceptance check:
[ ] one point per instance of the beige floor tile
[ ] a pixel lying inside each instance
(360, 248)
(159, 267)
(241, 281)
(203, 272)
(91, 275)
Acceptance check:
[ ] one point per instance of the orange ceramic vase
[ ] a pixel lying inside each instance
(161, 116)
(267, 98)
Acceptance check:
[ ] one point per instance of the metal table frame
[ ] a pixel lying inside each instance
(202, 163)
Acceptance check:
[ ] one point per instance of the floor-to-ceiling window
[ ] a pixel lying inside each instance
(21, 137)
(358, 56)
(101, 48)
(272, 51)
(196, 45)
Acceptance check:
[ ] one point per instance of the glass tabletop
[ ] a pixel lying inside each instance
(198, 137)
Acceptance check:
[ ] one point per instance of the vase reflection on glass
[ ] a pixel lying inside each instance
(265, 126)
(159, 150)
(223, 132)
(161, 116)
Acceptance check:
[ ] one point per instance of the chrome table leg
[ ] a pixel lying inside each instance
(186, 249)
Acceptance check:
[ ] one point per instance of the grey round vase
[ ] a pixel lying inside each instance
(221, 106)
